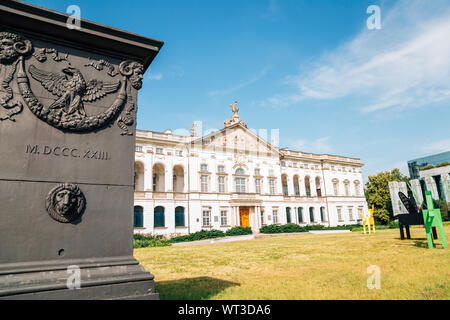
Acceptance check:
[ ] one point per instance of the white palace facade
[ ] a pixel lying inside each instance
(233, 177)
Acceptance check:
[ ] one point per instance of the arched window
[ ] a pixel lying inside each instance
(347, 188)
(284, 183)
(307, 186)
(159, 178)
(322, 214)
(318, 187)
(288, 215)
(240, 171)
(159, 217)
(357, 188)
(179, 217)
(296, 186)
(300, 214)
(138, 217)
(311, 214)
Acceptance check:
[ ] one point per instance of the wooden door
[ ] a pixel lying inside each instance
(244, 214)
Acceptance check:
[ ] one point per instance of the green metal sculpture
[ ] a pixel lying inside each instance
(432, 218)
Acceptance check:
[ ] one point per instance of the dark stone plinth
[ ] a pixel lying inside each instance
(68, 103)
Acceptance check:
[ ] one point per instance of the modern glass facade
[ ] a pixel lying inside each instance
(414, 165)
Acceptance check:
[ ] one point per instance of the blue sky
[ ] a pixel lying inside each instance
(311, 69)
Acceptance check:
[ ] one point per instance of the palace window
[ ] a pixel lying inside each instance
(204, 167)
(179, 153)
(288, 215)
(350, 214)
(347, 188)
(240, 185)
(159, 150)
(138, 217)
(275, 216)
(360, 212)
(179, 217)
(307, 187)
(139, 148)
(221, 169)
(283, 163)
(204, 183)
(221, 184)
(258, 186)
(339, 214)
(223, 218)
(323, 218)
(272, 186)
(262, 217)
(357, 189)
(300, 214)
(240, 171)
(257, 172)
(311, 214)
(271, 173)
(318, 187)
(158, 218)
(206, 218)
(336, 187)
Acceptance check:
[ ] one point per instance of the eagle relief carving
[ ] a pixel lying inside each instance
(69, 87)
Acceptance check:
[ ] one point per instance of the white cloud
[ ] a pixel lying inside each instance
(241, 85)
(405, 64)
(437, 147)
(319, 145)
(156, 76)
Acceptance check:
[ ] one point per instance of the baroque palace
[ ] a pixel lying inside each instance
(233, 177)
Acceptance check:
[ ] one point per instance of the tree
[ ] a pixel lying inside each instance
(377, 194)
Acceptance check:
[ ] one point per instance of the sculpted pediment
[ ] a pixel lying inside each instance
(237, 140)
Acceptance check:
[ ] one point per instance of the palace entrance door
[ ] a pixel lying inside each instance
(244, 216)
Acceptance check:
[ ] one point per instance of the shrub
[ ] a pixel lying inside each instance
(143, 241)
(443, 164)
(200, 235)
(239, 231)
(291, 227)
(427, 167)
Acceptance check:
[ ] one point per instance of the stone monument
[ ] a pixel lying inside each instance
(68, 101)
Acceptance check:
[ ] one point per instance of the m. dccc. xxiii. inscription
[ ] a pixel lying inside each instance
(68, 152)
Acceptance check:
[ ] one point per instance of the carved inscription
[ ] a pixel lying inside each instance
(67, 152)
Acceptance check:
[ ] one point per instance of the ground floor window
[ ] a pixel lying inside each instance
(275, 216)
(223, 218)
(262, 217)
(159, 217)
(138, 217)
(311, 214)
(350, 214)
(339, 214)
(179, 217)
(206, 218)
(288, 215)
(300, 214)
(322, 214)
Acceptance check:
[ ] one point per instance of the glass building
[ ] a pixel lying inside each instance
(416, 164)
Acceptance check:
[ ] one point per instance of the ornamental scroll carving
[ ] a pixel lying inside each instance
(69, 88)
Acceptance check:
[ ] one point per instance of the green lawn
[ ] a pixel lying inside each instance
(307, 266)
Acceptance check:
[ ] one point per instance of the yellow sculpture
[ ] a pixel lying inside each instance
(369, 220)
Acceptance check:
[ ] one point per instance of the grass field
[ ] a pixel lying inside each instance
(332, 266)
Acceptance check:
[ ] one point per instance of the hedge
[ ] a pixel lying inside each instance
(291, 227)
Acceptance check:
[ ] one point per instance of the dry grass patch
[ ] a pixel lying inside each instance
(328, 266)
